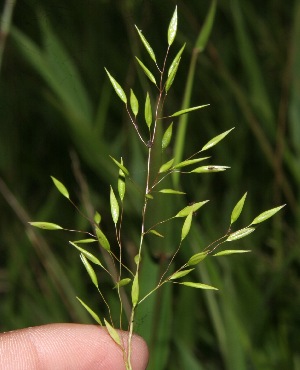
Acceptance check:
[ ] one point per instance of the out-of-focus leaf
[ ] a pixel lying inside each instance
(207, 27)
(55, 65)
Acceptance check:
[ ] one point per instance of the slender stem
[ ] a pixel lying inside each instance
(80, 212)
(139, 254)
(215, 247)
(156, 182)
(130, 336)
(159, 223)
(172, 259)
(118, 231)
(136, 127)
(163, 69)
(80, 231)
(148, 189)
(160, 284)
(152, 291)
(107, 305)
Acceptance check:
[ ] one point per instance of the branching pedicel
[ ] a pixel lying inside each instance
(153, 118)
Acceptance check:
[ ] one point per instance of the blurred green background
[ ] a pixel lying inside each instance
(60, 117)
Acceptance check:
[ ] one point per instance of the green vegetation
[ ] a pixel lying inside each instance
(54, 123)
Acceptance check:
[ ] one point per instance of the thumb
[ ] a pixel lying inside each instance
(67, 346)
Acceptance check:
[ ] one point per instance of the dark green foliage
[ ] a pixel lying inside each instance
(58, 111)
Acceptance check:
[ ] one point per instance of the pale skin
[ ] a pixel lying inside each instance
(67, 347)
